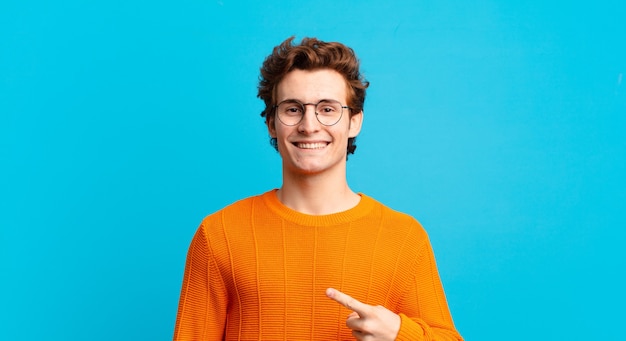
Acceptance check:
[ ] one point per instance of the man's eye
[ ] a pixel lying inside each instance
(293, 110)
(327, 109)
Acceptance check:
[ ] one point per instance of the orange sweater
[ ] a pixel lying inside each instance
(257, 270)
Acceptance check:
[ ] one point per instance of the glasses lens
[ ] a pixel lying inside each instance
(328, 112)
(290, 113)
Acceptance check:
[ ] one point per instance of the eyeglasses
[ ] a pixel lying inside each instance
(327, 111)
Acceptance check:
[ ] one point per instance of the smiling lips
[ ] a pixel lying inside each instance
(311, 145)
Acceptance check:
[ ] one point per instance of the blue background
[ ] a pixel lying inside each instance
(498, 124)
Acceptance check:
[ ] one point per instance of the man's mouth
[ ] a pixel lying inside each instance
(311, 145)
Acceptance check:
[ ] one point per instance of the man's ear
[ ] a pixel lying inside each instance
(271, 127)
(356, 121)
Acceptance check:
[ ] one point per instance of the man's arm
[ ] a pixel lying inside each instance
(424, 306)
(379, 323)
(423, 311)
(203, 298)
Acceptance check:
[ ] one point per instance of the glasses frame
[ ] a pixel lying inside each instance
(275, 108)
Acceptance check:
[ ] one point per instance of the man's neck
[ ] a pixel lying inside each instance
(317, 194)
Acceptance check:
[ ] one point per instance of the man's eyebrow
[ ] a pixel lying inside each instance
(290, 100)
(299, 101)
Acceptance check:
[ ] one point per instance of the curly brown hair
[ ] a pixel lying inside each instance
(311, 54)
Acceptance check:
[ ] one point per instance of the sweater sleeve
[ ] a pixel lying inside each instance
(424, 311)
(203, 299)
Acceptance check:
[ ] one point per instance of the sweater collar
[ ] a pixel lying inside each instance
(363, 208)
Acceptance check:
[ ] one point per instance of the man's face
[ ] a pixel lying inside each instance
(310, 147)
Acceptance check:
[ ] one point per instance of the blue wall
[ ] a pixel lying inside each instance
(498, 124)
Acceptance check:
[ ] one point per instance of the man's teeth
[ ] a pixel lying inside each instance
(316, 145)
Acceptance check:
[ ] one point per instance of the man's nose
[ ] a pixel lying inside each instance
(309, 120)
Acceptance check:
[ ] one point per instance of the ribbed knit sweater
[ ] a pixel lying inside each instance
(258, 270)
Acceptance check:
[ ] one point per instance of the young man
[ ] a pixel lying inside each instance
(312, 260)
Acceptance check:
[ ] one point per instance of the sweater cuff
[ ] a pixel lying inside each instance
(409, 330)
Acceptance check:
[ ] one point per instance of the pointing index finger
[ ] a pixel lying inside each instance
(347, 301)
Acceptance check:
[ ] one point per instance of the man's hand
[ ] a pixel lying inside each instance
(367, 322)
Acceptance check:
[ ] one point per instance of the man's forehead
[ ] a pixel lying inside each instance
(312, 86)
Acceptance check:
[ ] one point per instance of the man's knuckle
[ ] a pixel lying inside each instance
(368, 326)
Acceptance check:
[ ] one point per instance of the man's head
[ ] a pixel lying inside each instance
(311, 54)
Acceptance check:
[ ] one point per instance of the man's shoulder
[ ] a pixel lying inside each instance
(393, 217)
(391, 212)
(240, 207)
